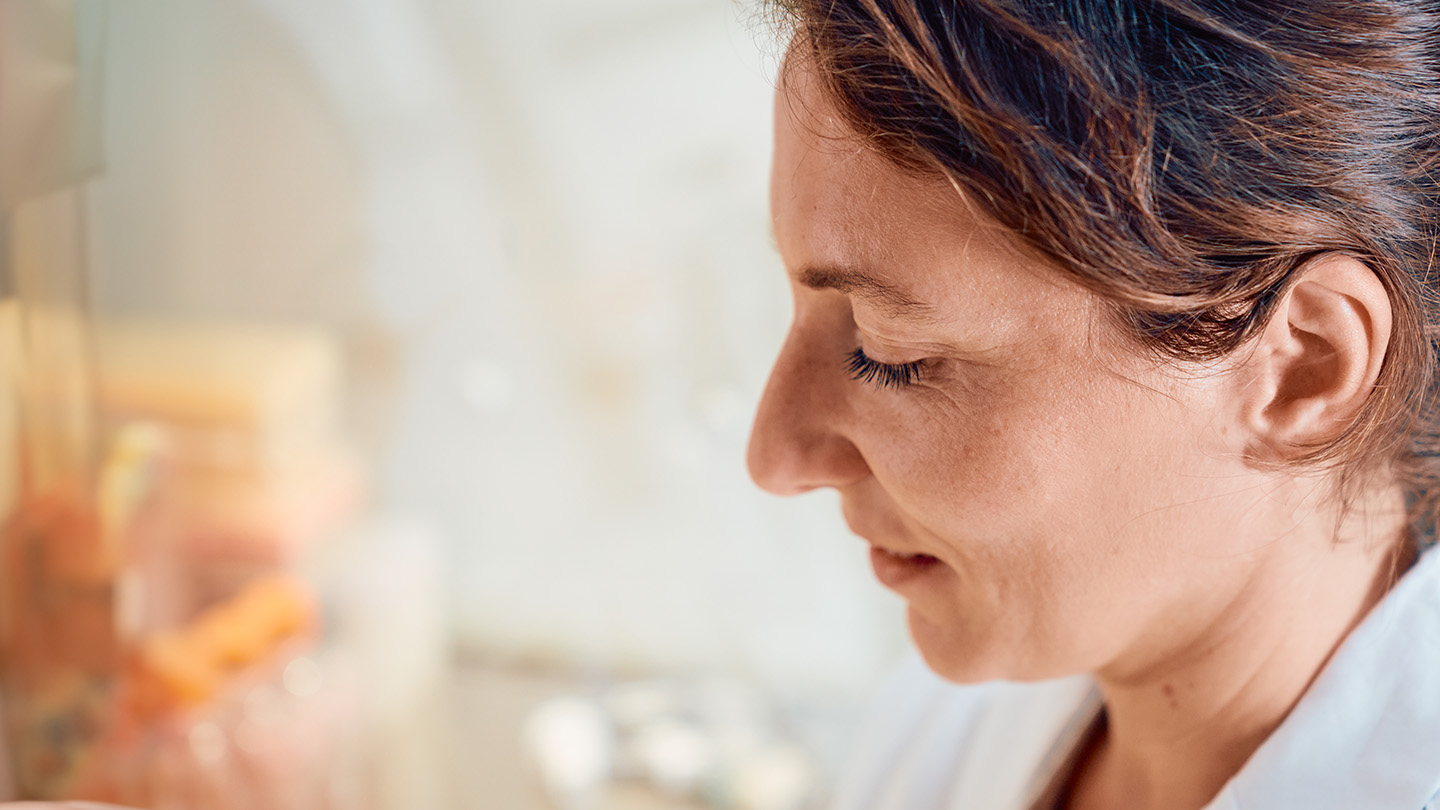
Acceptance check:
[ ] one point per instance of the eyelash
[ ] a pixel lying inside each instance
(883, 375)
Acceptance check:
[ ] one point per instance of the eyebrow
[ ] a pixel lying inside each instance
(854, 281)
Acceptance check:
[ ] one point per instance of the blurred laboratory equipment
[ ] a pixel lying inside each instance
(170, 633)
(375, 382)
(60, 558)
(704, 742)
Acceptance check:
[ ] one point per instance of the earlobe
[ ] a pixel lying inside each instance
(1320, 355)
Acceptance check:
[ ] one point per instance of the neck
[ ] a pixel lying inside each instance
(1178, 729)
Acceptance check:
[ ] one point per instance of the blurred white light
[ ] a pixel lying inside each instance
(572, 743)
(303, 677)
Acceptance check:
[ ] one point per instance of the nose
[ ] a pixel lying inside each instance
(797, 444)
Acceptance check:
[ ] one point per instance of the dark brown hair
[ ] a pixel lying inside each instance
(1181, 158)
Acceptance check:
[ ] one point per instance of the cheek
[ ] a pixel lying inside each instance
(1048, 484)
(985, 459)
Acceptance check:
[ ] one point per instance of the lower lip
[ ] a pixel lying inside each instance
(895, 571)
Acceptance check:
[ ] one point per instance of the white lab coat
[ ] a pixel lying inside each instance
(1366, 736)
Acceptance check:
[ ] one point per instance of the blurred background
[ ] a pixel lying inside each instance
(376, 379)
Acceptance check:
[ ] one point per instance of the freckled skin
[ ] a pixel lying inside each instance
(1078, 494)
(1092, 510)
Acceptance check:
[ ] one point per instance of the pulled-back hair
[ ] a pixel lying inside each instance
(1182, 159)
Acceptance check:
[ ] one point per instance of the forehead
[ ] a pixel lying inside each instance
(836, 202)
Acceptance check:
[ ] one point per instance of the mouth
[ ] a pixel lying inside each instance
(895, 570)
(893, 567)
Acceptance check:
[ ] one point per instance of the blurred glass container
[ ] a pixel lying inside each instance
(156, 647)
(58, 560)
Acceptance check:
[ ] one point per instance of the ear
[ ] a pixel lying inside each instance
(1319, 356)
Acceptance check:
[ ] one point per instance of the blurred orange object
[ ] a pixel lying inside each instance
(59, 646)
(185, 667)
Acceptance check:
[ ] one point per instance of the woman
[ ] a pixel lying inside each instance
(1113, 330)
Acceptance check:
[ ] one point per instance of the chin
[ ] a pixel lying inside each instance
(963, 658)
(956, 657)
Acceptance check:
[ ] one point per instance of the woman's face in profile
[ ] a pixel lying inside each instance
(1046, 498)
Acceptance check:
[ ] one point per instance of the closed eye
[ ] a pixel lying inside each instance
(882, 375)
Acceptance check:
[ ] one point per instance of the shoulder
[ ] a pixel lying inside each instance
(1367, 731)
(926, 743)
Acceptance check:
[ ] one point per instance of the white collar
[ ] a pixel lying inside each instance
(1366, 734)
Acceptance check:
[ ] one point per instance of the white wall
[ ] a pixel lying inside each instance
(540, 228)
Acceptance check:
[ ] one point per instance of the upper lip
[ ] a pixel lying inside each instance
(859, 530)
